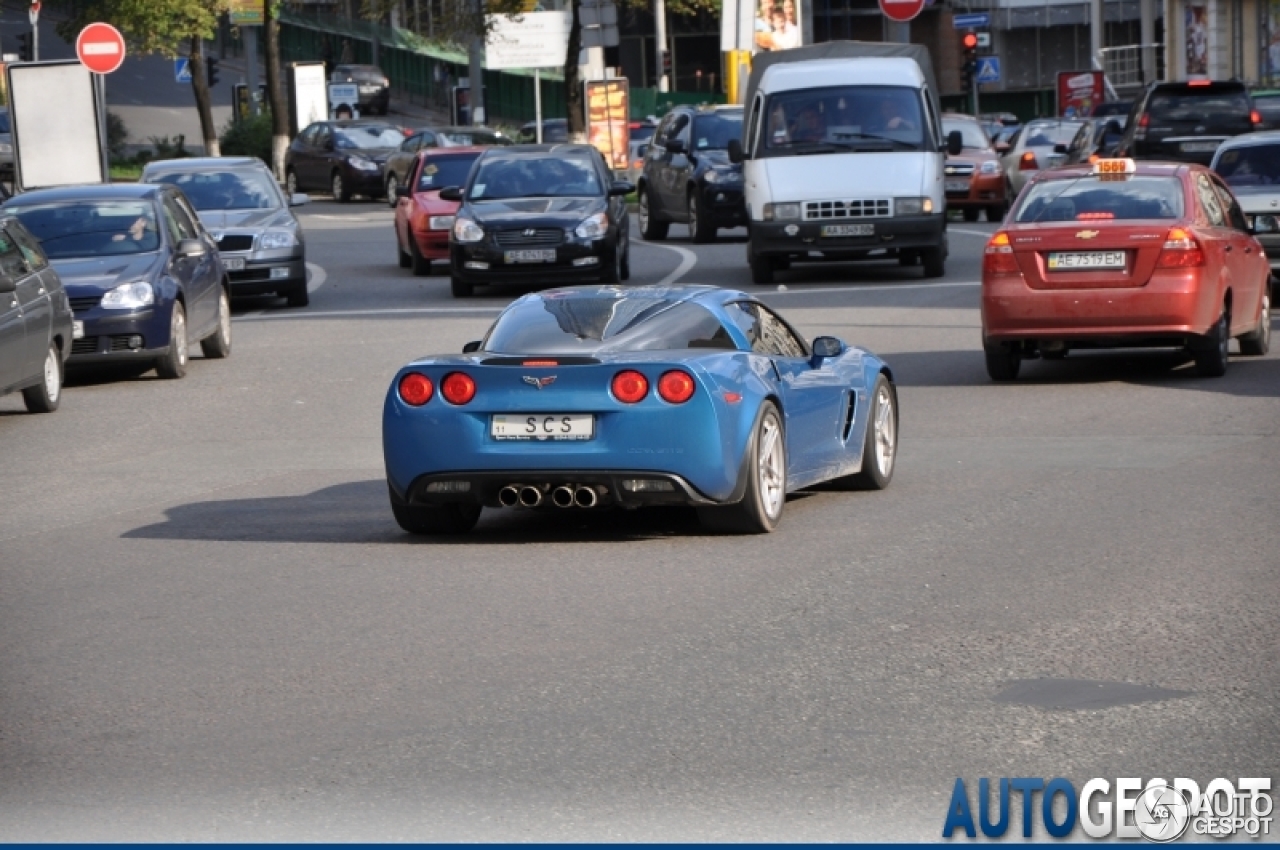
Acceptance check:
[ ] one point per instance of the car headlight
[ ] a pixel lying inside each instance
(723, 177)
(990, 167)
(276, 239)
(5, 147)
(593, 227)
(912, 206)
(129, 296)
(466, 230)
(362, 164)
(781, 212)
(440, 222)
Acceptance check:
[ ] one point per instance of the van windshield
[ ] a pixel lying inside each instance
(844, 118)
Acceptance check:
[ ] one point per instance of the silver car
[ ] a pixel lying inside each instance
(1251, 166)
(243, 207)
(6, 146)
(1043, 143)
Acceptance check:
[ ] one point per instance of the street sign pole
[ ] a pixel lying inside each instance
(975, 95)
(537, 103)
(33, 15)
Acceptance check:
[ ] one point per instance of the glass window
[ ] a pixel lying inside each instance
(1209, 107)
(713, 132)
(412, 143)
(1251, 165)
(91, 228)
(535, 177)
(368, 137)
(855, 118)
(1092, 199)
(1234, 215)
(1047, 135)
(186, 228)
(971, 133)
(29, 247)
(226, 190)
(440, 171)
(12, 264)
(576, 324)
(4, 122)
(768, 333)
(1210, 202)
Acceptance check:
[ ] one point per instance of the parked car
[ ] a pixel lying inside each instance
(1124, 254)
(1043, 143)
(372, 84)
(1117, 109)
(553, 130)
(142, 274)
(36, 324)
(399, 163)
(974, 178)
(638, 139)
(1000, 139)
(592, 397)
(688, 177)
(475, 136)
(242, 207)
(6, 146)
(1186, 121)
(423, 219)
(346, 158)
(1267, 102)
(539, 214)
(1250, 164)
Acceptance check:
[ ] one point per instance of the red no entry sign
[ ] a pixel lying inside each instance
(100, 48)
(901, 10)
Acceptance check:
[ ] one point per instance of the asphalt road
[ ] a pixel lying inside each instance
(212, 629)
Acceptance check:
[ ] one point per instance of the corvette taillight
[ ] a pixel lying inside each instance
(676, 386)
(1181, 251)
(630, 386)
(415, 389)
(998, 257)
(458, 388)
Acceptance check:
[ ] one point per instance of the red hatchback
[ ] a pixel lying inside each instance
(423, 221)
(1122, 254)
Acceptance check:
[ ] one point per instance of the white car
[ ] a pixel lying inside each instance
(1043, 143)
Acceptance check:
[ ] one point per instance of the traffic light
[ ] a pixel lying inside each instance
(969, 64)
(26, 53)
(211, 71)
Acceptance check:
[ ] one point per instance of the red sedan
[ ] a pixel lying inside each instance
(423, 221)
(1123, 254)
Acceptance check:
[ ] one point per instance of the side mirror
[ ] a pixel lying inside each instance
(827, 346)
(7, 284)
(1002, 147)
(329, 145)
(1265, 224)
(675, 146)
(402, 192)
(621, 188)
(190, 249)
(955, 142)
(298, 199)
(474, 345)
(451, 193)
(1060, 148)
(642, 151)
(735, 151)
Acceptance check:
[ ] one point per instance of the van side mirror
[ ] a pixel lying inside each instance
(451, 193)
(955, 142)
(736, 152)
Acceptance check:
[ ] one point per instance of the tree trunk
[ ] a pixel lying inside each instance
(573, 79)
(204, 104)
(275, 95)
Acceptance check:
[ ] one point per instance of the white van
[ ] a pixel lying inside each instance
(844, 160)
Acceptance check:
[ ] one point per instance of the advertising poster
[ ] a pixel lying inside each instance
(608, 120)
(1197, 23)
(777, 25)
(1079, 92)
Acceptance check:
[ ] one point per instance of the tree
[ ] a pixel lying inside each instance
(160, 27)
(275, 91)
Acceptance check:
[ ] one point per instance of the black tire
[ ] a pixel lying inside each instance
(880, 446)
(290, 182)
(1258, 341)
(762, 503)
(402, 256)
(1003, 361)
(761, 267)
(173, 363)
(935, 262)
(421, 265)
(435, 519)
(298, 296)
(392, 183)
(338, 187)
(624, 268)
(970, 213)
(1212, 351)
(217, 345)
(996, 214)
(650, 228)
(461, 288)
(612, 271)
(44, 396)
(702, 228)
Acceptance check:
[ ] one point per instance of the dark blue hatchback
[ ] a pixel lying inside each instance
(143, 276)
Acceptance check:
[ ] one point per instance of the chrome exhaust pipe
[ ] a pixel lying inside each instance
(509, 496)
(585, 497)
(562, 496)
(530, 496)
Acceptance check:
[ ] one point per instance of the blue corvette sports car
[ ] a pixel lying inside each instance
(604, 396)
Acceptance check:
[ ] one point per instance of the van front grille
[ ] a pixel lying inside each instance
(827, 210)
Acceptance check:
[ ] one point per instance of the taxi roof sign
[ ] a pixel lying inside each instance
(1115, 166)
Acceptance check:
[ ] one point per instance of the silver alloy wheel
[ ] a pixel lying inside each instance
(886, 432)
(291, 183)
(643, 211)
(1266, 321)
(693, 214)
(224, 319)
(336, 187)
(392, 185)
(178, 335)
(52, 375)
(771, 467)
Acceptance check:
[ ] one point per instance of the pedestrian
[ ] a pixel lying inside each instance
(348, 52)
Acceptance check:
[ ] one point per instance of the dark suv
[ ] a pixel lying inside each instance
(1187, 121)
(687, 175)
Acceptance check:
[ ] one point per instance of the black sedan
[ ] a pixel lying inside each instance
(35, 320)
(142, 274)
(372, 86)
(687, 175)
(345, 158)
(545, 214)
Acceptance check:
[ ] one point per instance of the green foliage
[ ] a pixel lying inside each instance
(166, 149)
(149, 26)
(250, 137)
(117, 133)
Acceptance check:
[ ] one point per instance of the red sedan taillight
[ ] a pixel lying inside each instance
(630, 386)
(458, 388)
(1028, 162)
(1181, 251)
(676, 387)
(998, 257)
(415, 389)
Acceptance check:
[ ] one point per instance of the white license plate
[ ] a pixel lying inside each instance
(234, 264)
(1199, 147)
(958, 186)
(547, 256)
(543, 426)
(1086, 260)
(77, 329)
(848, 229)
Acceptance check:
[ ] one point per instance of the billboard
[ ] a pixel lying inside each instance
(308, 95)
(532, 40)
(55, 147)
(761, 25)
(608, 119)
(1079, 92)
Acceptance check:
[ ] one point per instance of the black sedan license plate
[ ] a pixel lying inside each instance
(529, 256)
(1085, 260)
(848, 230)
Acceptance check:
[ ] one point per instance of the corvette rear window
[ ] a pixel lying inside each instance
(551, 325)
(1091, 199)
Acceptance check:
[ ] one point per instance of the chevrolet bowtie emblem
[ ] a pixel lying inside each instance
(1086, 234)
(540, 383)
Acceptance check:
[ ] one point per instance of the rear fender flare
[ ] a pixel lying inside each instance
(744, 465)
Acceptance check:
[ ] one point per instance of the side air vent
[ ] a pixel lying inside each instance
(848, 415)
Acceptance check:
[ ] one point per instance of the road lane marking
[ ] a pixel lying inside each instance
(390, 311)
(688, 260)
(983, 234)
(888, 287)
